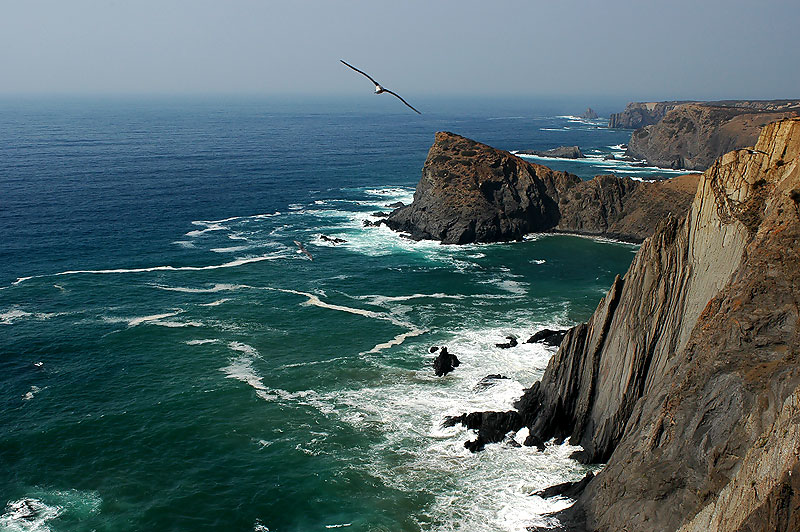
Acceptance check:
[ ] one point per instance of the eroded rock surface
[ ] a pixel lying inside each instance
(687, 377)
(471, 192)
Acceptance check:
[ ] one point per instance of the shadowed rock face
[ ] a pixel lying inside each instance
(687, 377)
(471, 192)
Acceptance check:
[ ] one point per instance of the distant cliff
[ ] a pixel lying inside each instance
(692, 136)
(640, 114)
(687, 377)
(471, 192)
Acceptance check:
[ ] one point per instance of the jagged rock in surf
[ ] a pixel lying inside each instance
(512, 342)
(445, 362)
(549, 337)
(489, 381)
(492, 427)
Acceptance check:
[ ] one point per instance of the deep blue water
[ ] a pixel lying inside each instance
(169, 361)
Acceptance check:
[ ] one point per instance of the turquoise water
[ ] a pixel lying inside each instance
(171, 361)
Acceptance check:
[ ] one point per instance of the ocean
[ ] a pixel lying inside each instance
(170, 360)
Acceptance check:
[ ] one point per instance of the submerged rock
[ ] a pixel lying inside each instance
(489, 381)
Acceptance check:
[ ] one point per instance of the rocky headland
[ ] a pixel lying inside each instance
(640, 114)
(692, 135)
(470, 192)
(686, 379)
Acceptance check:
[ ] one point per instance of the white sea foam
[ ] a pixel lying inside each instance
(215, 303)
(10, 316)
(219, 287)
(203, 341)
(232, 264)
(184, 244)
(133, 322)
(397, 340)
(34, 512)
(33, 391)
(209, 227)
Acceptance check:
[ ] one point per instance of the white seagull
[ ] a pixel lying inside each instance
(378, 88)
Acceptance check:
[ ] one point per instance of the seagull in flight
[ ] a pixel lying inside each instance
(378, 88)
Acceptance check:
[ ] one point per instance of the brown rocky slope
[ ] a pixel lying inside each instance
(687, 377)
(694, 135)
(471, 192)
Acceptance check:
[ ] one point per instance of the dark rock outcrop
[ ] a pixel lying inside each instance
(332, 240)
(566, 489)
(687, 377)
(445, 362)
(640, 114)
(548, 337)
(489, 381)
(589, 114)
(562, 152)
(492, 427)
(512, 342)
(471, 192)
(692, 136)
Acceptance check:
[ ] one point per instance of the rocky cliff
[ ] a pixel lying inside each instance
(640, 114)
(692, 136)
(471, 192)
(686, 379)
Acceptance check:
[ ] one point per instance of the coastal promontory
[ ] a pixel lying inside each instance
(686, 379)
(471, 192)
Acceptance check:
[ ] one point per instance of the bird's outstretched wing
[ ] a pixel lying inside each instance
(402, 100)
(360, 72)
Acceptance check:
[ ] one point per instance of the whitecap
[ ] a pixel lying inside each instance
(33, 391)
(10, 316)
(215, 303)
(133, 322)
(232, 264)
(203, 341)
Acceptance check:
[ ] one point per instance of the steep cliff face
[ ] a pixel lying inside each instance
(471, 192)
(692, 136)
(640, 114)
(686, 377)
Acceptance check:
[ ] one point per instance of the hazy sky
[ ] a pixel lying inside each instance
(637, 49)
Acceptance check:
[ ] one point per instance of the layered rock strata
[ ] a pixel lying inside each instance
(471, 192)
(686, 379)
